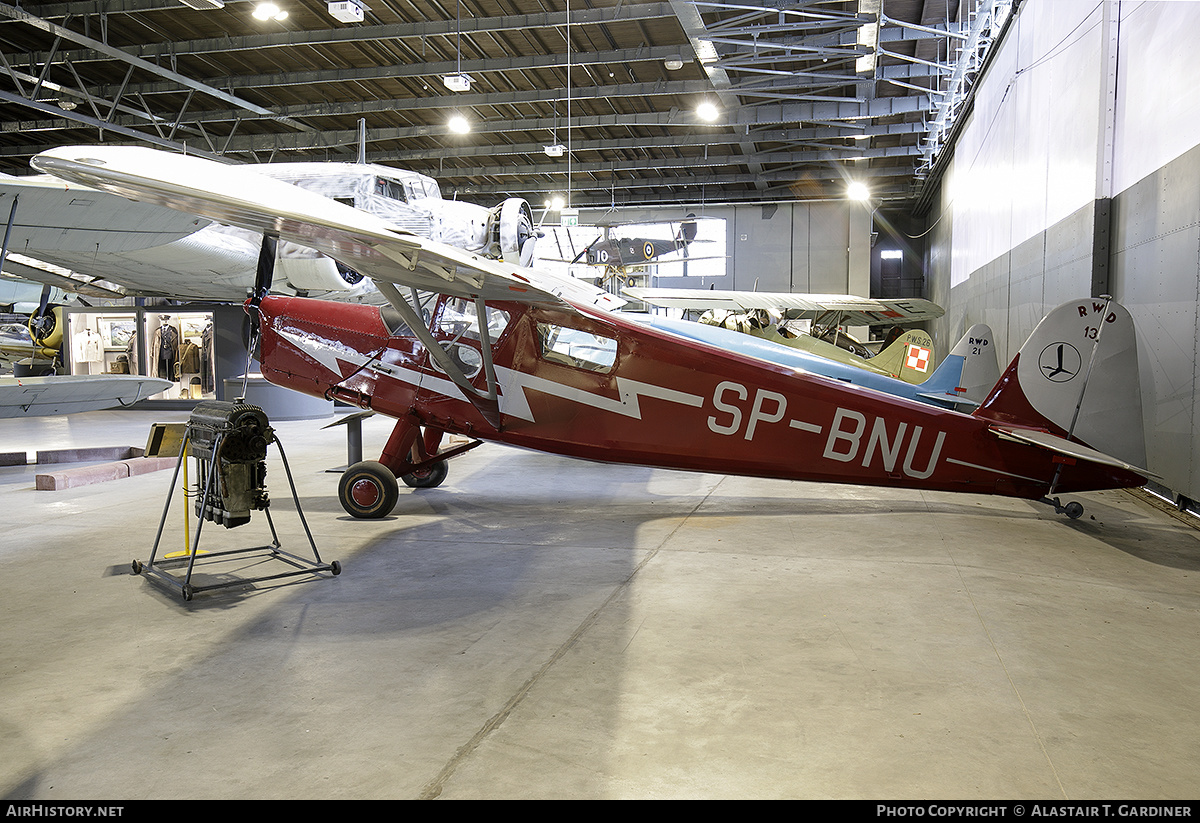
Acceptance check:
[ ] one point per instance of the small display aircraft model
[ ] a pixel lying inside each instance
(617, 254)
(526, 358)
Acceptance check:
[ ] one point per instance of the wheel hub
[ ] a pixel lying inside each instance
(365, 493)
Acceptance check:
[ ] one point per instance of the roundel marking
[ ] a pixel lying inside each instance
(1059, 362)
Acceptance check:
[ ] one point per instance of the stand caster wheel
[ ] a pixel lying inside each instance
(188, 592)
(336, 568)
(137, 567)
(1073, 510)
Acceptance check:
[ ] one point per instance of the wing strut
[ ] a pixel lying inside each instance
(12, 214)
(487, 402)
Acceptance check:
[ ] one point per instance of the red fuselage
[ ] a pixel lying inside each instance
(601, 387)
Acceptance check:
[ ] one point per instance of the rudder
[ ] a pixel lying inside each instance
(1077, 376)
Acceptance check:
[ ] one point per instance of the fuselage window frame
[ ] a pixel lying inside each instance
(576, 348)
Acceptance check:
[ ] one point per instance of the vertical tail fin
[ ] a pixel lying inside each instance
(1077, 377)
(909, 357)
(968, 373)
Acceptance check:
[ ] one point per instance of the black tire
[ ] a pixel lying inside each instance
(368, 490)
(428, 478)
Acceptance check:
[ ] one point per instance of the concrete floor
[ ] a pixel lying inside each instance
(545, 628)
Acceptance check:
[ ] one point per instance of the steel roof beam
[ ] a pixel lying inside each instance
(396, 31)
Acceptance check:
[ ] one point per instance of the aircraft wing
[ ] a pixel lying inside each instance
(55, 223)
(239, 196)
(52, 213)
(855, 311)
(67, 394)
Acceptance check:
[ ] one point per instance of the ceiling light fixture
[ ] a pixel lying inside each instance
(858, 191)
(204, 5)
(459, 125)
(707, 111)
(269, 11)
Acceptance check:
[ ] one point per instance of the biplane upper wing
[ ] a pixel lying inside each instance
(238, 196)
(854, 311)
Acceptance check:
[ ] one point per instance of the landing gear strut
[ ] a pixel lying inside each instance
(1072, 510)
(369, 490)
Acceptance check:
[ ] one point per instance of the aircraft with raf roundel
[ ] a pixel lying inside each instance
(526, 358)
(617, 254)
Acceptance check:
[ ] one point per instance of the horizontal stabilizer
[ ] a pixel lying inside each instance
(950, 397)
(1059, 445)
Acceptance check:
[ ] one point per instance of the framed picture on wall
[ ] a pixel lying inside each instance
(117, 331)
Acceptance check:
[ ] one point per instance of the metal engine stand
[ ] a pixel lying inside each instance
(229, 441)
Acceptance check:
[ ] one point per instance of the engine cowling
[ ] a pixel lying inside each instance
(516, 234)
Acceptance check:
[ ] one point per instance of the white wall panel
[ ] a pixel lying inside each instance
(1158, 104)
(1026, 158)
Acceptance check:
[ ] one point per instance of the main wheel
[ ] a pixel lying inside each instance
(427, 478)
(368, 490)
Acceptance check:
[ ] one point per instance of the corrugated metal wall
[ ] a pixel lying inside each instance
(1087, 106)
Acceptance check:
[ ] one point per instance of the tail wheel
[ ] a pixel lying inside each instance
(368, 490)
(427, 478)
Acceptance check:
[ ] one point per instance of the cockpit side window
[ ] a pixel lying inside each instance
(390, 189)
(459, 320)
(425, 304)
(578, 348)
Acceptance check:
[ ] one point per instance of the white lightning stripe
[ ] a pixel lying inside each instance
(990, 469)
(627, 404)
(324, 352)
(514, 385)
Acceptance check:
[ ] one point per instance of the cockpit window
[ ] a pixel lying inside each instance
(423, 304)
(574, 347)
(390, 189)
(459, 319)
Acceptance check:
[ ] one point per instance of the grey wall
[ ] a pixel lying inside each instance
(1075, 174)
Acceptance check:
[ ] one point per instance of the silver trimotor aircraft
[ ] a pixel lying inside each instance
(99, 244)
